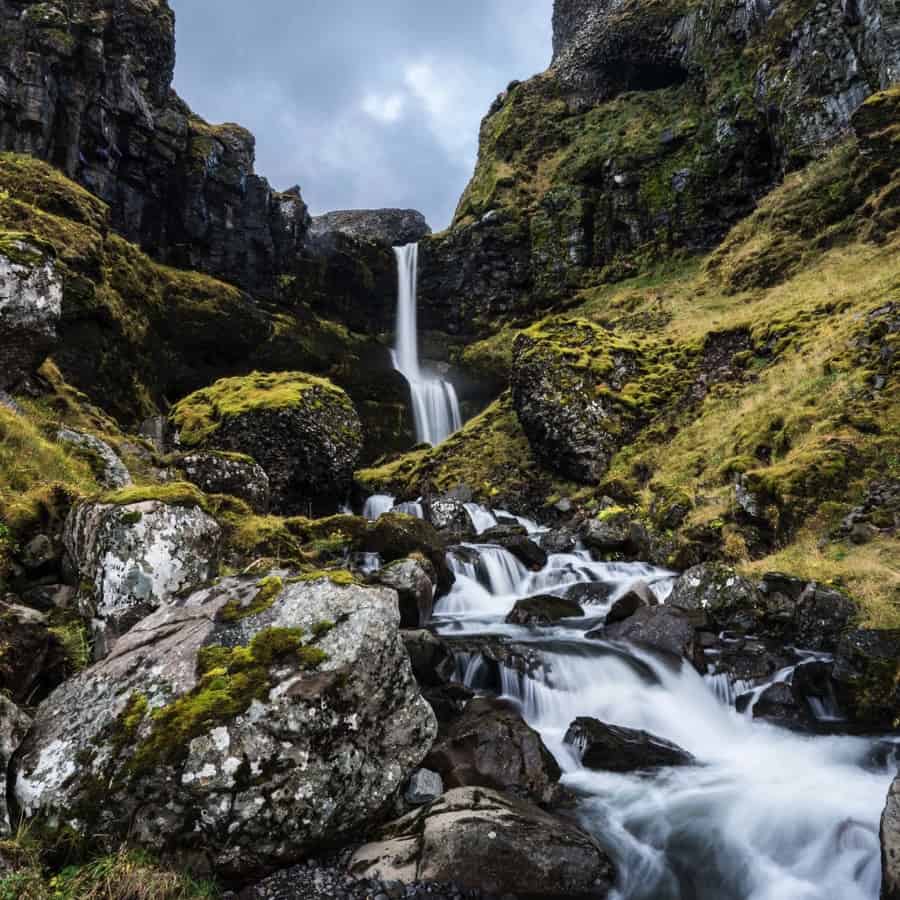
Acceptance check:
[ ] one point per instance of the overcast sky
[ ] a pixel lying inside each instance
(363, 103)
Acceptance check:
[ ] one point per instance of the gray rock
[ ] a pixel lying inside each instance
(225, 473)
(135, 558)
(483, 840)
(14, 725)
(38, 552)
(450, 518)
(659, 627)
(424, 787)
(414, 585)
(638, 596)
(32, 661)
(890, 844)
(391, 227)
(112, 472)
(304, 736)
(544, 609)
(30, 311)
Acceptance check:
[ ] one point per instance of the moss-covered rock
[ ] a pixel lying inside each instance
(302, 430)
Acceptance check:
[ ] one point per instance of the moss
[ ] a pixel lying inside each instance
(74, 639)
(200, 415)
(341, 577)
(269, 589)
(176, 493)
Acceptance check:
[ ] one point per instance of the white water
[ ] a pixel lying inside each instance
(379, 504)
(767, 814)
(435, 406)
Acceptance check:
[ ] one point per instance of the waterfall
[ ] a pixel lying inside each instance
(434, 403)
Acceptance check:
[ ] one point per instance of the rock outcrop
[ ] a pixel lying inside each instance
(389, 227)
(234, 730)
(14, 725)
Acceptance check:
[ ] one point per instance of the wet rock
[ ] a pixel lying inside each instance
(480, 839)
(14, 725)
(778, 704)
(302, 430)
(411, 580)
(30, 310)
(814, 619)
(449, 517)
(638, 596)
(867, 678)
(133, 558)
(432, 661)
(110, 470)
(424, 787)
(514, 538)
(717, 590)
(280, 726)
(611, 748)
(590, 593)
(491, 745)
(229, 473)
(560, 540)
(890, 844)
(32, 659)
(545, 609)
(658, 627)
(396, 535)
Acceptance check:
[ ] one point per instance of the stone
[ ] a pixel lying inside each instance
(866, 676)
(134, 558)
(424, 787)
(514, 538)
(30, 310)
(890, 844)
(590, 593)
(483, 840)
(414, 586)
(14, 725)
(432, 660)
(32, 659)
(544, 609)
(228, 473)
(391, 227)
(397, 535)
(638, 596)
(659, 627)
(282, 725)
(491, 745)
(449, 517)
(110, 470)
(38, 553)
(612, 748)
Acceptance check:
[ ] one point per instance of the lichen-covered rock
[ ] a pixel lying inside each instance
(483, 840)
(491, 745)
(302, 430)
(611, 748)
(415, 589)
(239, 732)
(110, 470)
(716, 589)
(391, 227)
(135, 557)
(638, 596)
(30, 309)
(659, 627)
(449, 517)
(890, 844)
(14, 725)
(229, 473)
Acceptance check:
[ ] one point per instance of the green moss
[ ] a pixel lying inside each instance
(74, 639)
(176, 493)
(341, 577)
(269, 589)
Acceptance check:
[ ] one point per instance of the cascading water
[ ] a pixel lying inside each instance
(765, 814)
(435, 406)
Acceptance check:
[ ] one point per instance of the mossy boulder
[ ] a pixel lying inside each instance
(229, 473)
(397, 535)
(284, 729)
(302, 430)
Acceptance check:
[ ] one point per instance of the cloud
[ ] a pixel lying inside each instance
(384, 108)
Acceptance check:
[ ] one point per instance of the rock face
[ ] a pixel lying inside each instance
(133, 558)
(239, 730)
(611, 748)
(111, 471)
(14, 725)
(480, 839)
(302, 430)
(30, 310)
(890, 845)
(391, 227)
(32, 661)
(227, 473)
(490, 745)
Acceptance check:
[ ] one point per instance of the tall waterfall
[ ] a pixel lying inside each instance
(435, 407)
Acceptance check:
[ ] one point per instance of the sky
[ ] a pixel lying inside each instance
(363, 103)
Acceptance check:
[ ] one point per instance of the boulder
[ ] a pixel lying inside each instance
(590, 593)
(657, 627)
(449, 517)
(717, 590)
(229, 473)
(638, 596)
(30, 309)
(890, 844)
(560, 540)
(867, 678)
(486, 841)
(611, 748)
(279, 723)
(612, 532)
(14, 725)
(414, 586)
(32, 658)
(514, 538)
(136, 557)
(397, 535)
(545, 609)
(108, 467)
(431, 658)
(491, 745)
(302, 430)
(424, 787)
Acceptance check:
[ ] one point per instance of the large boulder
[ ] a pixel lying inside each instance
(135, 557)
(229, 473)
(482, 840)
(638, 596)
(544, 609)
(866, 675)
(615, 749)
(111, 472)
(414, 585)
(890, 844)
(491, 745)
(514, 538)
(30, 308)
(302, 430)
(244, 726)
(656, 627)
(397, 535)
(14, 725)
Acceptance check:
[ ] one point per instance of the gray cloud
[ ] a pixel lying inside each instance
(364, 103)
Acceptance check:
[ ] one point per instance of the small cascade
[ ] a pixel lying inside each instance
(379, 504)
(435, 405)
(482, 518)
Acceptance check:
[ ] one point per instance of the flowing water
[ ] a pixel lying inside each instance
(435, 406)
(766, 814)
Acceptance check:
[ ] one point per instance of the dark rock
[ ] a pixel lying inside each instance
(590, 593)
(396, 535)
(614, 749)
(229, 473)
(414, 586)
(14, 725)
(890, 844)
(867, 678)
(514, 538)
(544, 609)
(391, 227)
(424, 787)
(637, 597)
(659, 627)
(778, 704)
(32, 658)
(480, 839)
(560, 540)
(39, 553)
(450, 518)
(490, 745)
(432, 661)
